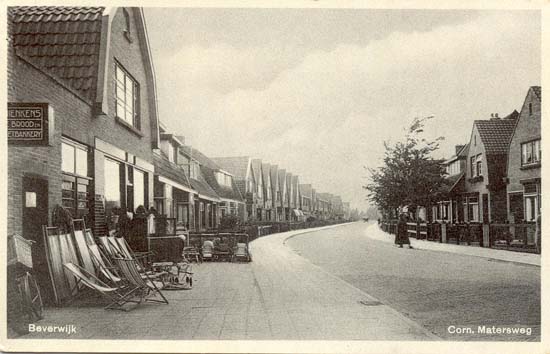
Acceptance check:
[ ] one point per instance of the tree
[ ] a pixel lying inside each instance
(409, 176)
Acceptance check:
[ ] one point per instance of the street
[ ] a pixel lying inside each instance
(337, 284)
(435, 289)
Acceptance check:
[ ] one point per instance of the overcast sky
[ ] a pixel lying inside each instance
(317, 91)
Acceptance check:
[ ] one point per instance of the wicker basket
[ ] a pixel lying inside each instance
(19, 251)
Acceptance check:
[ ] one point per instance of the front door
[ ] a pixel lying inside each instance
(34, 216)
(485, 207)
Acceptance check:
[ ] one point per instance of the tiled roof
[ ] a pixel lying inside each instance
(496, 133)
(241, 186)
(537, 91)
(61, 41)
(266, 170)
(223, 191)
(171, 171)
(208, 169)
(236, 165)
(282, 178)
(451, 182)
(257, 167)
(202, 187)
(274, 171)
(464, 151)
(200, 157)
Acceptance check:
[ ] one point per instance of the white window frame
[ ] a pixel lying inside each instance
(125, 110)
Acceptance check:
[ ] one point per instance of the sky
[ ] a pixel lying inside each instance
(318, 91)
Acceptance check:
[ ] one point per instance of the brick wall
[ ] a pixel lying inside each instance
(27, 84)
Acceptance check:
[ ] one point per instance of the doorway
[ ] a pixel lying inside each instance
(34, 216)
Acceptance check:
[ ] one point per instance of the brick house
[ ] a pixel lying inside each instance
(205, 201)
(260, 189)
(93, 68)
(484, 197)
(245, 178)
(224, 184)
(283, 200)
(296, 199)
(268, 192)
(275, 192)
(524, 161)
(307, 202)
(450, 209)
(173, 193)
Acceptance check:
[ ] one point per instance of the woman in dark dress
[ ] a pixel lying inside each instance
(401, 236)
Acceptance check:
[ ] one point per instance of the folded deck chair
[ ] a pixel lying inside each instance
(141, 284)
(92, 282)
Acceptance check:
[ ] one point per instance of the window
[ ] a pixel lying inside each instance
(531, 200)
(479, 164)
(74, 187)
(475, 140)
(194, 170)
(74, 158)
(473, 166)
(530, 109)
(530, 152)
(473, 209)
(112, 188)
(181, 214)
(139, 188)
(127, 97)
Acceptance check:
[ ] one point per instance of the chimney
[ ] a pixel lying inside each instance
(458, 148)
(494, 116)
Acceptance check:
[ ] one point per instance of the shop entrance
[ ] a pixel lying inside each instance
(35, 214)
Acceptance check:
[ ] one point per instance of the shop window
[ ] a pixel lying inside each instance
(126, 97)
(74, 158)
(74, 187)
(139, 188)
(112, 187)
(530, 152)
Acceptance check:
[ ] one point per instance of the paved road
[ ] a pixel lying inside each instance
(435, 289)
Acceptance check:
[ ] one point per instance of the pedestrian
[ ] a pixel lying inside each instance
(401, 236)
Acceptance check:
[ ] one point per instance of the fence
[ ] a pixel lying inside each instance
(514, 237)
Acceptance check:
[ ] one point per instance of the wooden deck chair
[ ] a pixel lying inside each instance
(91, 281)
(79, 228)
(103, 264)
(141, 284)
(108, 248)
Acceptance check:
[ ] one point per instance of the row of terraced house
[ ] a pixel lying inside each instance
(495, 178)
(88, 74)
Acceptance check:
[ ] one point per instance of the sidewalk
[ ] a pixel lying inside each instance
(373, 231)
(279, 295)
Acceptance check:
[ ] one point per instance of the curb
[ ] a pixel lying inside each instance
(488, 257)
(405, 319)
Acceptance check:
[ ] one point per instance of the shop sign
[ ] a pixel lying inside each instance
(28, 124)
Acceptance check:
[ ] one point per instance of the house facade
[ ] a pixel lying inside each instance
(484, 197)
(306, 201)
(268, 192)
(449, 209)
(174, 196)
(205, 202)
(102, 117)
(524, 162)
(275, 192)
(246, 181)
(260, 189)
(283, 200)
